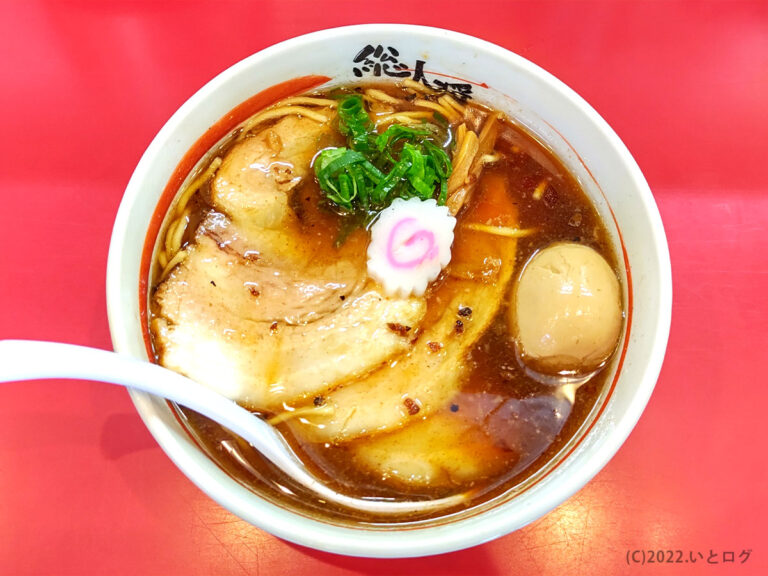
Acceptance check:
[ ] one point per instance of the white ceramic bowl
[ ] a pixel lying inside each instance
(501, 79)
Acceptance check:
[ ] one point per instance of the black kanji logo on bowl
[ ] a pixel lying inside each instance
(378, 61)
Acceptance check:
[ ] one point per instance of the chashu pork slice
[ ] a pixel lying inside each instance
(425, 379)
(482, 434)
(446, 449)
(252, 184)
(279, 287)
(210, 327)
(255, 311)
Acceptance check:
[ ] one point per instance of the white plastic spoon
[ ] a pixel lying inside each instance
(33, 360)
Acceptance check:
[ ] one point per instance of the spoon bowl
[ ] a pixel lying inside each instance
(33, 360)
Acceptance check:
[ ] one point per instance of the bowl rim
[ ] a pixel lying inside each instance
(350, 541)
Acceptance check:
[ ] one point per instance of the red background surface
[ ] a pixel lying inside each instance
(84, 86)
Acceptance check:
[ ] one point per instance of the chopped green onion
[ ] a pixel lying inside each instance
(373, 169)
(443, 196)
(392, 179)
(355, 123)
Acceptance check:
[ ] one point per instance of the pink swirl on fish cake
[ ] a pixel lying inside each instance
(420, 235)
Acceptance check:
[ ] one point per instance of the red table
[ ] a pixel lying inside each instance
(85, 86)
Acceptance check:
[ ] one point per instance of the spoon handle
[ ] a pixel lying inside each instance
(32, 360)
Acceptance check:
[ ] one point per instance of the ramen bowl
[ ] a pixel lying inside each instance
(466, 68)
